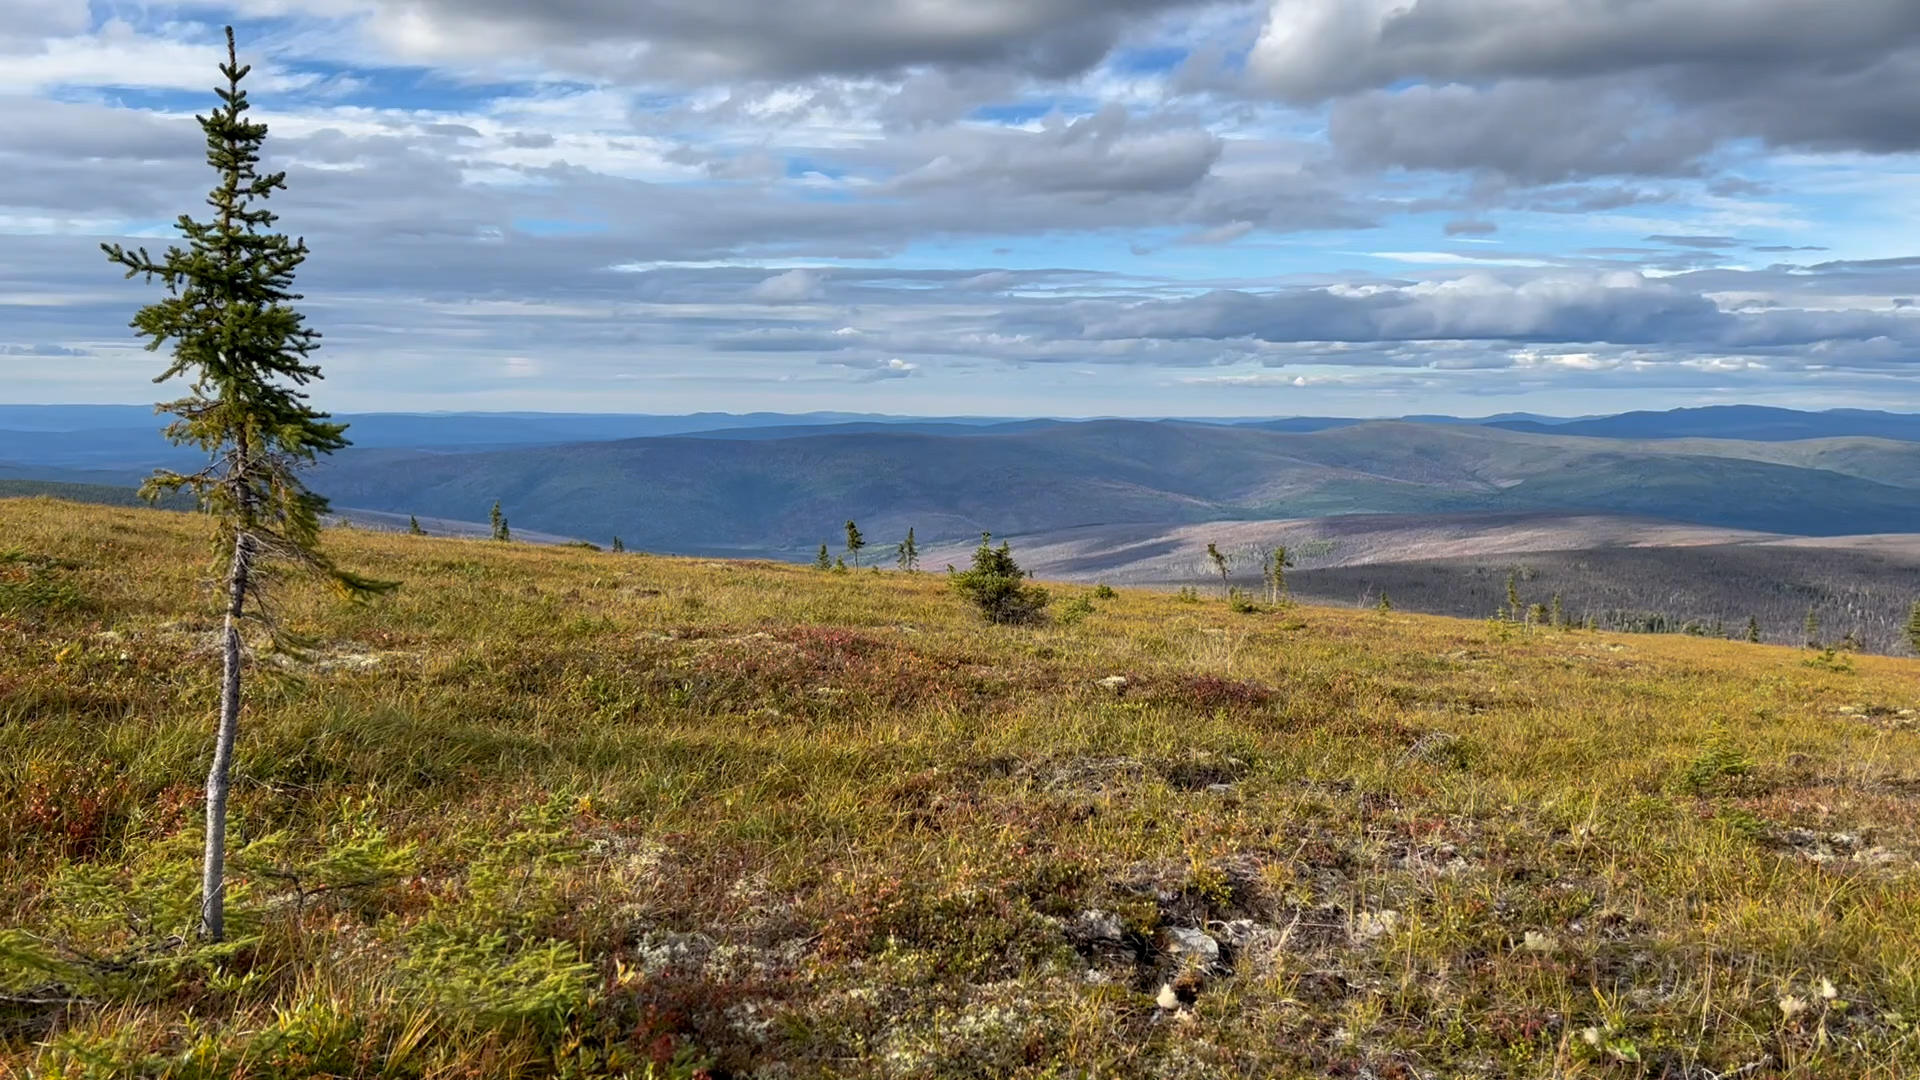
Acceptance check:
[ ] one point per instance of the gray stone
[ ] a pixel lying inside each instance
(1186, 943)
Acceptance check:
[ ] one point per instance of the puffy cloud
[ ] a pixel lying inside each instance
(1101, 153)
(792, 287)
(1317, 49)
(729, 39)
(1533, 131)
(1607, 87)
(1618, 309)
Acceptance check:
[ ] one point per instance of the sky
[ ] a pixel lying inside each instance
(1002, 207)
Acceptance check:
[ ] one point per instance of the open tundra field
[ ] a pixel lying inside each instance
(547, 812)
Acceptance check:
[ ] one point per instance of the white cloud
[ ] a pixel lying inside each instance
(792, 287)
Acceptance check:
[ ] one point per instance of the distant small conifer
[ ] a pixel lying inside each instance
(1274, 571)
(909, 554)
(1913, 626)
(499, 523)
(855, 541)
(413, 526)
(1220, 566)
(1753, 627)
(822, 561)
(1559, 614)
(1385, 605)
(1812, 628)
(618, 546)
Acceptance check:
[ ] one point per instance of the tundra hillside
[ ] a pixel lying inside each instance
(549, 812)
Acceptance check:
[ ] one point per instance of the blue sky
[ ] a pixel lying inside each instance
(1064, 207)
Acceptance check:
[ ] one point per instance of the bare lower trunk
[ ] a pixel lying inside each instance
(213, 883)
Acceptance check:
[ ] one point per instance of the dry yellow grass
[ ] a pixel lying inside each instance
(547, 812)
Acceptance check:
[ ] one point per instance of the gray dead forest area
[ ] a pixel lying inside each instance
(1675, 589)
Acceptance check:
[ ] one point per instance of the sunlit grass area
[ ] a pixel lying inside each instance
(550, 812)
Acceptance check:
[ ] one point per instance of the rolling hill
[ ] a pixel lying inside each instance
(785, 495)
(1757, 423)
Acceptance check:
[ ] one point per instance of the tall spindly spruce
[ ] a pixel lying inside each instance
(244, 352)
(908, 557)
(1222, 566)
(855, 541)
(1274, 571)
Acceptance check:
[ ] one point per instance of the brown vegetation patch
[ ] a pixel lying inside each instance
(1211, 693)
(815, 669)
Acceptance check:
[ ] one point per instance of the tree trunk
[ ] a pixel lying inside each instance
(213, 884)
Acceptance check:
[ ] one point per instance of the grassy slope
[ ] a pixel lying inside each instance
(99, 494)
(544, 808)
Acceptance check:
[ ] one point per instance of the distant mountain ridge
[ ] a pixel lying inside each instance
(776, 484)
(1753, 423)
(787, 495)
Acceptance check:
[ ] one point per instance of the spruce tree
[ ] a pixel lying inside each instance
(499, 522)
(996, 585)
(1812, 628)
(822, 561)
(618, 547)
(1220, 566)
(1385, 604)
(1753, 628)
(246, 354)
(854, 541)
(1514, 611)
(1559, 614)
(909, 555)
(1913, 626)
(1274, 570)
(413, 526)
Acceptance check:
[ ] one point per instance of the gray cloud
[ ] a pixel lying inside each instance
(41, 350)
(1710, 243)
(719, 39)
(1316, 49)
(1104, 152)
(1620, 309)
(1535, 132)
(1551, 89)
(792, 287)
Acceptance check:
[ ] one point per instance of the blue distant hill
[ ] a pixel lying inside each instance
(1754, 423)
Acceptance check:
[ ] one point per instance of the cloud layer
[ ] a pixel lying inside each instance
(1060, 206)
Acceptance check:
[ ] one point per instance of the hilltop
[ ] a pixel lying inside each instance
(549, 812)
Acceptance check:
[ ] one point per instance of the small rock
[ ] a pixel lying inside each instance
(1098, 926)
(1240, 932)
(1220, 789)
(1184, 942)
(1115, 683)
(1375, 924)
